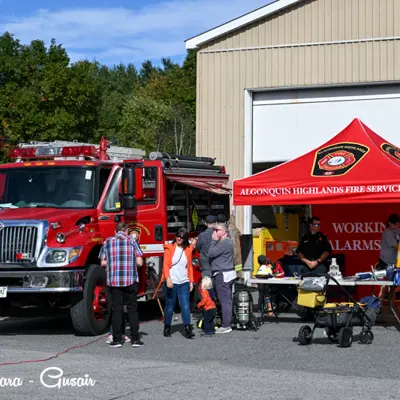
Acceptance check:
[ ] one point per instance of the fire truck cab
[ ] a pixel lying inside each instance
(59, 201)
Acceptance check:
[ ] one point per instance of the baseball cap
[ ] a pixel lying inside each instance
(221, 218)
(211, 219)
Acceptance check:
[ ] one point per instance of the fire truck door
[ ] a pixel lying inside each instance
(147, 221)
(112, 211)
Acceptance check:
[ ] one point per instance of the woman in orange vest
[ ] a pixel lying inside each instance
(178, 275)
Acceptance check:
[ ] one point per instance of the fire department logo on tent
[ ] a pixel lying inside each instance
(391, 150)
(338, 159)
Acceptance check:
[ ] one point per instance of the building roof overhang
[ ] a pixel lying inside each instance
(237, 23)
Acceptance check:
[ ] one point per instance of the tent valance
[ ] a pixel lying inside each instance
(355, 166)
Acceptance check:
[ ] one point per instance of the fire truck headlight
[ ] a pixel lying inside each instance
(56, 257)
(61, 256)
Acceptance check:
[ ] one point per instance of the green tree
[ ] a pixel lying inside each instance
(23, 69)
(42, 97)
(147, 72)
(83, 99)
(144, 123)
(117, 85)
(176, 88)
(190, 75)
(161, 114)
(45, 97)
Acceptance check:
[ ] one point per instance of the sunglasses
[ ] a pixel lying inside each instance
(316, 225)
(179, 237)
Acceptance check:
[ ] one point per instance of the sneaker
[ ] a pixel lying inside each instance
(115, 344)
(137, 343)
(125, 338)
(223, 330)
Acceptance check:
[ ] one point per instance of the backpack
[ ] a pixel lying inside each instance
(372, 302)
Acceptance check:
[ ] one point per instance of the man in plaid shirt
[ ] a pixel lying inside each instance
(121, 254)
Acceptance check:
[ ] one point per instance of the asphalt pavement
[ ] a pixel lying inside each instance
(241, 365)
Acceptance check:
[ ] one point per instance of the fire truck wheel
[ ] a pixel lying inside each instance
(91, 314)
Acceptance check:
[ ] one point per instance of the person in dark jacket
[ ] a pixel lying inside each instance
(203, 245)
(221, 260)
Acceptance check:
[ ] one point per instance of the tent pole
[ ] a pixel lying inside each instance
(247, 235)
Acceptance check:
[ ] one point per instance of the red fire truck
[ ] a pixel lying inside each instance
(59, 201)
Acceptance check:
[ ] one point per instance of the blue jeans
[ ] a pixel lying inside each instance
(182, 292)
(208, 319)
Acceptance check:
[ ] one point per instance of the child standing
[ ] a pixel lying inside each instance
(208, 305)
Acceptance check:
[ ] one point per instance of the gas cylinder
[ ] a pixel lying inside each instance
(243, 308)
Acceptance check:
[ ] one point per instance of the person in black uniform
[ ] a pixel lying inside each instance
(314, 248)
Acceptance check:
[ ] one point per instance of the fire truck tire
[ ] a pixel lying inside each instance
(84, 320)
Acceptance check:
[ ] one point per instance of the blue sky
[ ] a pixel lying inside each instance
(114, 31)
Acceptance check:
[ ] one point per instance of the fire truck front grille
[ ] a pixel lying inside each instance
(18, 244)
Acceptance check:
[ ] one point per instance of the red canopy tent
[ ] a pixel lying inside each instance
(355, 166)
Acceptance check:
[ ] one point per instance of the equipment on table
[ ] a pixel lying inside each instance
(338, 319)
(311, 292)
(376, 275)
(243, 316)
(334, 269)
(265, 271)
(393, 274)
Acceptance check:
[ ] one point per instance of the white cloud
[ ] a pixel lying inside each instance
(113, 35)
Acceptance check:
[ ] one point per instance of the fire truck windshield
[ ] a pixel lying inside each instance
(50, 187)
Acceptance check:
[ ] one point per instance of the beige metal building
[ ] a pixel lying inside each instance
(283, 79)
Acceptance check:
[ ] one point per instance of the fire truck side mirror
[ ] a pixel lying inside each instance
(128, 188)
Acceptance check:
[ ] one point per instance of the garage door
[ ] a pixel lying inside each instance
(287, 124)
